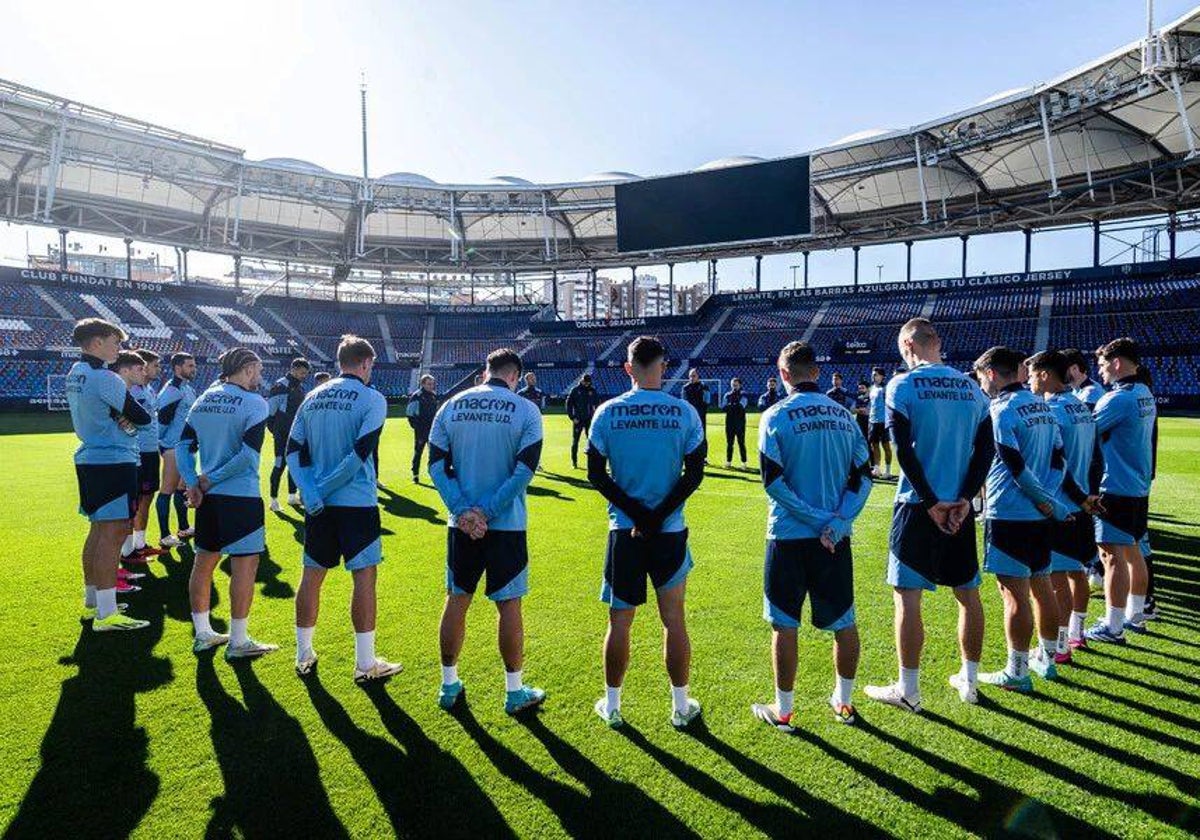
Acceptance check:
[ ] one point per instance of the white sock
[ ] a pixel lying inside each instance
(513, 680)
(139, 539)
(612, 698)
(106, 602)
(1064, 633)
(1018, 663)
(304, 641)
(201, 622)
(842, 689)
(127, 546)
(239, 631)
(1115, 617)
(785, 700)
(364, 649)
(89, 596)
(449, 674)
(970, 671)
(1135, 605)
(679, 698)
(1049, 648)
(910, 682)
(1076, 627)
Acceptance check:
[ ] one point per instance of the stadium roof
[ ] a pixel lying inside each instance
(1112, 139)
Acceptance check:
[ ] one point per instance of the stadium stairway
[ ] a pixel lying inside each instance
(292, 331)
(62, 311)
(386, 331)
(426, 353)
(927, 307)
(1045, 310)
(217, 339)
(811, 329)
(681, 371)
(617, 343)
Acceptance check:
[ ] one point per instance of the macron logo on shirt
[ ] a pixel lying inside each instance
(483, 409)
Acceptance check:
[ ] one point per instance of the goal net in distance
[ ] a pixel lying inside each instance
(56, 392)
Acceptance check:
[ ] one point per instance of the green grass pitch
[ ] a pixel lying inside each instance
(132, 734)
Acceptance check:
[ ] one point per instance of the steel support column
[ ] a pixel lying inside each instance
(554, 291)
(805, 253)
(128, 258)
(1095, 243)
(1028, 249)
(671, 283)
(1171, 224)
(964, 237)
(758, 272)
(856, 250)
(908, 261)
(62, 249)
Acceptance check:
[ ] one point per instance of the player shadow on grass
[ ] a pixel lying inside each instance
(997, 809)
(272, 783)
(610, 808)
(808, 814)
(1156, 805)
(537, 490)
(417, 783)
(571, 480)
(271, 585)
(750, 476)
(93, 780)
(406, 508)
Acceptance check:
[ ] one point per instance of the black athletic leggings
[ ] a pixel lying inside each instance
(578, 430)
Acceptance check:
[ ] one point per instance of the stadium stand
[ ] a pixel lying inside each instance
(851, 332)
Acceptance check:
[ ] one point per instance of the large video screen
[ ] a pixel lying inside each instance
(737, 204)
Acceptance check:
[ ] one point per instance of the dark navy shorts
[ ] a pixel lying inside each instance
(878, 433)
(1073, 543)
(503, 555)
(1018, 548)
(343, 533)
(230, 525)
(799, 569)
(1125, 519)
(148, 473)
(920, 556)
(663, 558)
(107, 492)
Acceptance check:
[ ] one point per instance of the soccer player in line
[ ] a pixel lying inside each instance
(532, 393)
(483, 451)
(174, 401)
(421, 409)
(130, 367)
(582, 402)
(135, 549)
(770, 396)
(282, 403)
(105, 466)
(1073, 542)
(329, 452)
(817, 473)
(1026, 474)
(226, 426)
(734, 405)
(877, 418)
(1088, 390)
(646, 438)
(939, 423)
(862, 408)
(840, 395)
(321, 377)
(1127, 423)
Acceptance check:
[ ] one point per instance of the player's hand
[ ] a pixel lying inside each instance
(828, 541)
(204, 483)
(940, 514)
(195, 497)
(1092, 505)
(1046, 509)
(959, 511)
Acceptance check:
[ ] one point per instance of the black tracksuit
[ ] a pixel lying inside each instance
(695, 394)
(582, 403)
(735, 424)
(422, 407)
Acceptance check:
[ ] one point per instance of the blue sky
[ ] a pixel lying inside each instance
(552, 91)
